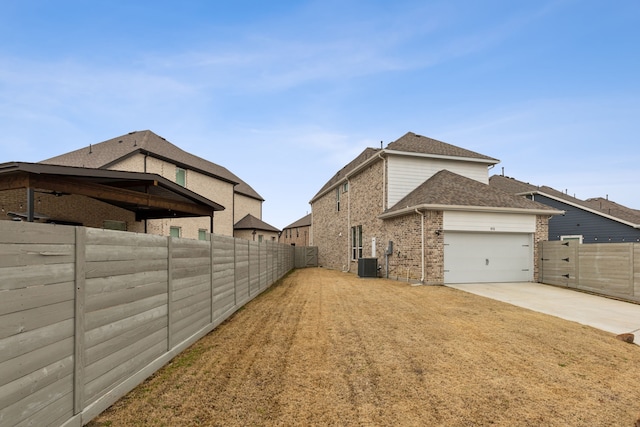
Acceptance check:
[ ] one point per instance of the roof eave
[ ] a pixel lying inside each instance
(440, 156)
(355, 170)
(582, 207)
(486, 209)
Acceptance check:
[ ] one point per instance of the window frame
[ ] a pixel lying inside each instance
(171, 230)
(181, 173)
(356, 242)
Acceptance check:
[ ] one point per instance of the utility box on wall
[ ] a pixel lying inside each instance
(367, 267)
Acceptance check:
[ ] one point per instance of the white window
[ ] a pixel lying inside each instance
(338, 199)
(202, 234)
(577, 237)
(356, 242)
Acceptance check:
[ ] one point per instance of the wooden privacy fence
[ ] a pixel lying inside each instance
(88, 314)
(611, 269)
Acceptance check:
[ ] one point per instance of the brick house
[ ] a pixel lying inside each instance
(297, 233)
(252, 228)
(433, 202)
(146, 152)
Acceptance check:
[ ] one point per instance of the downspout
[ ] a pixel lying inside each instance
(422, 243)
(349, 237)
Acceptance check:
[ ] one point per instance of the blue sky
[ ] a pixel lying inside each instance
(285, 93)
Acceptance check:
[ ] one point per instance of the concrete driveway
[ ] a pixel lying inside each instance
(602, 313)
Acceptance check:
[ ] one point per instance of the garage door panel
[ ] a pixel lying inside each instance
(487, 257)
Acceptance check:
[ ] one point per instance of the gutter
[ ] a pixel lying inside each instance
(422, 243)
(440, 207)
(579, 206)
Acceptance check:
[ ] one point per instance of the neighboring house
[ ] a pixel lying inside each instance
(297, 233)
(98, 198)
(596, 220)
(252, 228)
(146, 152)
(424, 210)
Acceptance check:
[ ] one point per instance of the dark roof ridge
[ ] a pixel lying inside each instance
(106, 153)
(415, 143)
(251, 222)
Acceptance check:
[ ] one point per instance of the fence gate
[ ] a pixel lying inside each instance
(559, 263)
(306, 256)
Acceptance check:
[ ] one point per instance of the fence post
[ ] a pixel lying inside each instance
(79, 332)
(576, 263)
(235, 274)
(211, 261)
(169, 291)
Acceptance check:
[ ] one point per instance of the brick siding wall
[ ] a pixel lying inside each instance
(298, 236)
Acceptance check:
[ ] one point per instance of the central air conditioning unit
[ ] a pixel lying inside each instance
(367, 267)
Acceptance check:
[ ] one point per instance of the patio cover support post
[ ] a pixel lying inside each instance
(30, 200)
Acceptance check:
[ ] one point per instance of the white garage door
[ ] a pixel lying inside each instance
(487, 257)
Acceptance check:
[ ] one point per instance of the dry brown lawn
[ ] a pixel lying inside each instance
(323, 347)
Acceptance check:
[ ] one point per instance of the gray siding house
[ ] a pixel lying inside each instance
(595, 220)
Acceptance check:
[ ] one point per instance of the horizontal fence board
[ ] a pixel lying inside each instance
(198, 295)
(189, 252)
(54, 414)
(190, 325)
(12, 255)
(24, 232)
(36, 390)
(21, 366)
(119, 268)
(104, 300)
(26, 342)
(101, 385)
(35, 275)
(109, 331)
(125, 338)
(124, 253)
(96, 236)
(182, 287)
(102, 366)
(29, 320)
(39, 401)
(98, 318)
(99, 285)
(198, 309)
(21, 299)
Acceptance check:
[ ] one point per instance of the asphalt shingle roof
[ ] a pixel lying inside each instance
(302, 222)
(448, 188)
(599, 204)
(250, 222)
(107, 153)
(414, 143)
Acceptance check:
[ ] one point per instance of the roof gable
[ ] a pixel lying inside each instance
(414, 143)
(250, 222)
(107, 153)
(446, 188)
(305, 221)
(598, 205)
(367, 154)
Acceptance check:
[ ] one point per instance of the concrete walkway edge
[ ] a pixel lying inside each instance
(602, 313)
